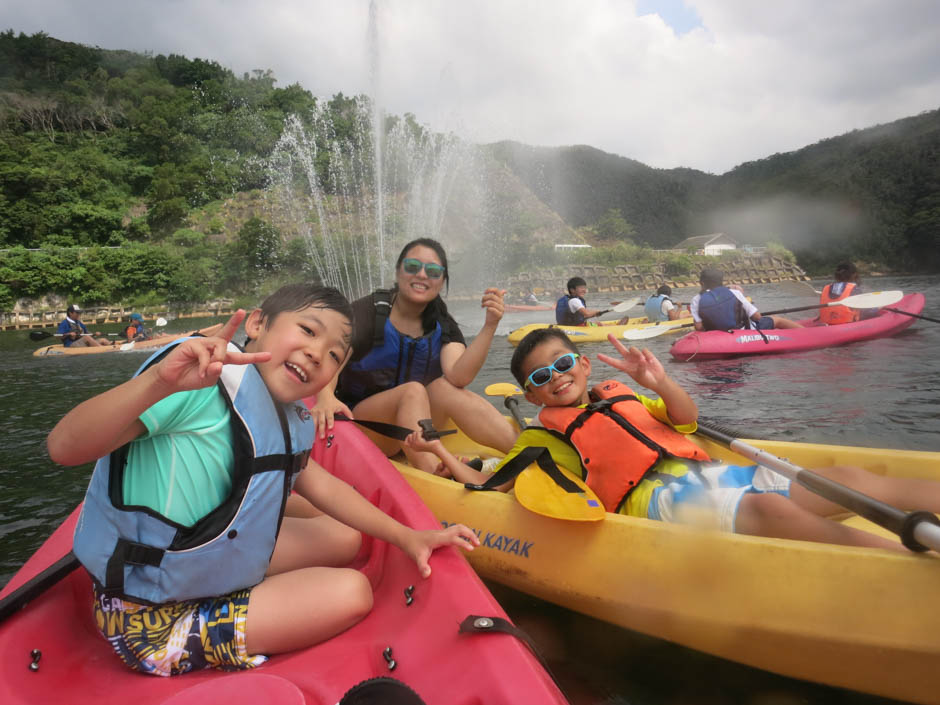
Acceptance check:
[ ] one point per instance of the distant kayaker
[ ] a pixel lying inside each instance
(74, 332)
(183, 529)
(845, 284)
(660, 306)
(571, 309)
(410, 360)
(136, 331)
(719, 307)
(633, 452)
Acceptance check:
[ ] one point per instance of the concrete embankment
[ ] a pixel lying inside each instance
(754, 269)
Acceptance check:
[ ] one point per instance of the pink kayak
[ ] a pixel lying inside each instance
(716, 344)
(418, 633)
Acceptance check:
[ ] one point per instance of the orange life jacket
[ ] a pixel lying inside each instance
(834, 315)
(618, 440)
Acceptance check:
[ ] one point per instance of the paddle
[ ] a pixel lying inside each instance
(43, 334)
(805, 289)
(37, 585)
(619, 308)
(553, 492)
(875, 299)
(918, 531)
(509, 393)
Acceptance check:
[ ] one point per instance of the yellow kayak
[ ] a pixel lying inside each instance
(864, 619)
(152, 344)
(598, 333)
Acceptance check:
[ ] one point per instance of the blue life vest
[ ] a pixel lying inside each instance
(720, 309)
(69, 326)
(395, 358)
(654, 307)
(563, 315)
(137, 554)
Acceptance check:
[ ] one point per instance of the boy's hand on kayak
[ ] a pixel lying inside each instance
(197, 363)
(416, 441)
(421, 544)
(324, 409)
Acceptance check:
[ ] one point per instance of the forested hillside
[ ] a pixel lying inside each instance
(113, 148)
(872, 194)
(135, 178)
(582, 183)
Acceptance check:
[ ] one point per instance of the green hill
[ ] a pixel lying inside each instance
(131, 178)
(872, 194)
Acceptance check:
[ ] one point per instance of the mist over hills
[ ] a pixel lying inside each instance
(872, 194)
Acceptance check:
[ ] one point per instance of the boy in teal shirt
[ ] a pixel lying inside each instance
(632, 452)
(172, 443)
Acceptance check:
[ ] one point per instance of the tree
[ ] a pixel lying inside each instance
(612, 226)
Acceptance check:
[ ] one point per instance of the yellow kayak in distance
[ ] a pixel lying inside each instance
(598, 333)
(140, 345)
(858, 618)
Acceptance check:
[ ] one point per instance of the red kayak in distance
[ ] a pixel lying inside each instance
(716, 344)
(414, 628)
(518, 308)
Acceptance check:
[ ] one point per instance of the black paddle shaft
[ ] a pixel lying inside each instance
(912, 315)
(895, 520)
(513, 405)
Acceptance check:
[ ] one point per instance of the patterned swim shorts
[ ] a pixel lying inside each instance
(166, 640)
(705, 494)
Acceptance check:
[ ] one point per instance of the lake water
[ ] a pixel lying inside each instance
(881, 393)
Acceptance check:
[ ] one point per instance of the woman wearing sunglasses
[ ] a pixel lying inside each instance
(410, 361)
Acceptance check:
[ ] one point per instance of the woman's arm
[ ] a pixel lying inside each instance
(462, 363)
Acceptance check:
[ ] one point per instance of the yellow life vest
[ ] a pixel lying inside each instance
(618, 440)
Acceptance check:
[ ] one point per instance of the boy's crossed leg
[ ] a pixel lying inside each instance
(306, 598)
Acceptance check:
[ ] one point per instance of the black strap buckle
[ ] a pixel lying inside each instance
(429, 433)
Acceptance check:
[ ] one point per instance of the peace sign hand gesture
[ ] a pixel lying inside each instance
(197, 363)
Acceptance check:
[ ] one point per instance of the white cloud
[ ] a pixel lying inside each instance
(754, 79)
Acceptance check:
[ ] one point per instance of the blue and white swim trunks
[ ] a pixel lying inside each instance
(707, 495)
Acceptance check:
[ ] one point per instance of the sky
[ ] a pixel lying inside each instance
(706, 84)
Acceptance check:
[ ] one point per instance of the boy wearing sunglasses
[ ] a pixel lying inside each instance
(634, 453)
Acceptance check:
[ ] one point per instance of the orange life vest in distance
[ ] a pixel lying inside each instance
(834, 315)
(618, 440)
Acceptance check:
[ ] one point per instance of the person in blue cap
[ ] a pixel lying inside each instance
(136, 331)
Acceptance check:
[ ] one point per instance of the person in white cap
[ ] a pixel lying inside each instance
(73, 331)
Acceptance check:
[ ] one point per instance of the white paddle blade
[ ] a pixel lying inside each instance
(127, 346)
(625, 305)
(650, 331)
(160, 322)
(875, 299)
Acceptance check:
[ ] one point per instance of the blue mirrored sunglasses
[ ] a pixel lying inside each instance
(543, 375)
(432, 269)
